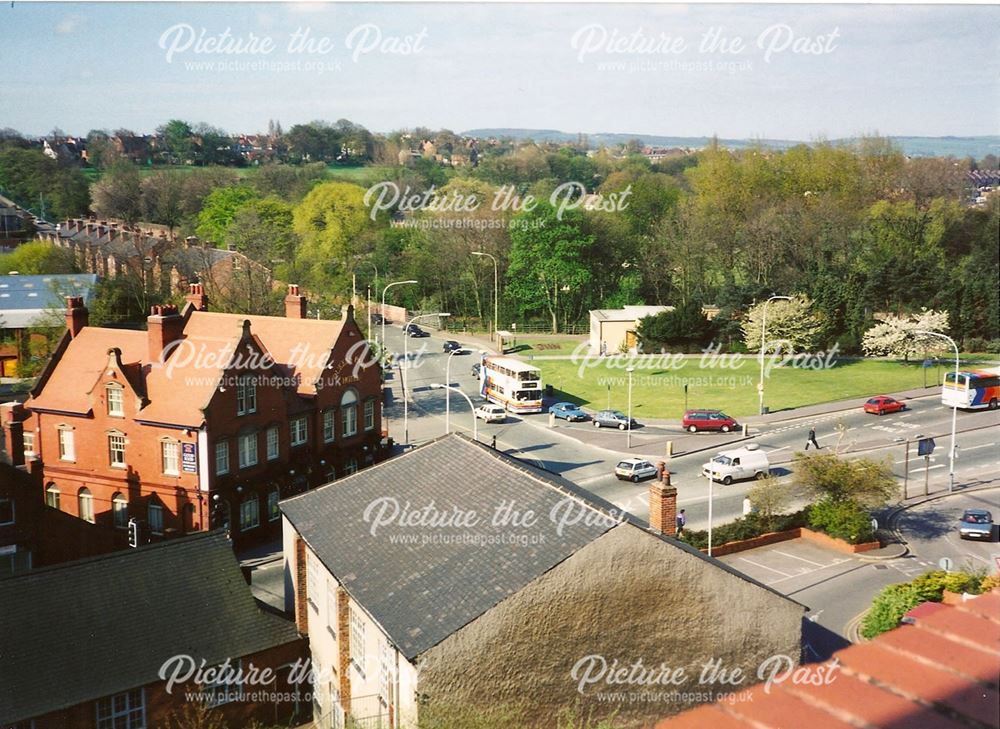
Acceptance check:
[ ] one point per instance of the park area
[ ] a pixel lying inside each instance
(658, 391)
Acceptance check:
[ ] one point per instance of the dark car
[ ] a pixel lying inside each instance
(976, 524)
(475, 370)
(883, 404)
(379, 319)
(417, 332)
(568, 411)
(451, 346)
(612, 419)
(695, 420)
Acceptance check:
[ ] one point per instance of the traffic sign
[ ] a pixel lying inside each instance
(925, 446)
(945, 564)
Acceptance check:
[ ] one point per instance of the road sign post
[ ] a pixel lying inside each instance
(927, 473)
(906, 469)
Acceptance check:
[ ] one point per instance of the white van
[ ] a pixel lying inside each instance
(729, 466)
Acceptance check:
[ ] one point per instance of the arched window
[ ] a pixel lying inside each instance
(119, 507)
(249, 513)
(52, 496)
(85, 501)
(349, 413)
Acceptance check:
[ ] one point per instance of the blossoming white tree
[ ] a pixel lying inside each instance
(895, 336)
(790, 325)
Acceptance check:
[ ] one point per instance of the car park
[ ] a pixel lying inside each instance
(491, 413)
(634, 469)
(612, 419)
(568, 411)
(737, 464)
(882, 404)
(705, 420)
(976, 524)
(452, 346)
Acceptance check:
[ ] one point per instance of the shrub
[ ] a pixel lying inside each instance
(843, 519)
(890, 605)
(745, 527)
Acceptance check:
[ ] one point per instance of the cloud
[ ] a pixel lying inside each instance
(68, 25)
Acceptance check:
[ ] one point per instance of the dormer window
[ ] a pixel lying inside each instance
(246, 395)
(116, 400)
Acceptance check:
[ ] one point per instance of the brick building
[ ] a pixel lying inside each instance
(84, 644)
(203, 420)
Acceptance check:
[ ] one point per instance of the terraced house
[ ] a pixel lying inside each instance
(203, 420)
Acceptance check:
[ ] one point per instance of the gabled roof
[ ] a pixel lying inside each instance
(88, 629)
(941, 672)
(629, 313)
(421, 584)
(23, 299)
(299, 347)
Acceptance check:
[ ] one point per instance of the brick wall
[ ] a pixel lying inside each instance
(344, 645)
(663, 507)
(301, 589)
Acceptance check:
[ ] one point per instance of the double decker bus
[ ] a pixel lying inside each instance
(511, 383)
(972, 390)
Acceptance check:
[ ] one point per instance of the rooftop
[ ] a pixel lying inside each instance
(99, 626)
(24, 300)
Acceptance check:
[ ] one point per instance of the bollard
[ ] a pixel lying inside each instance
(670, 448)
(552, 420)
(746, 430)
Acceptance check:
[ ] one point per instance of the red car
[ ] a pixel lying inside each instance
(883, 404)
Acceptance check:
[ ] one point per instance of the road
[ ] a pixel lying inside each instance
(586, 455)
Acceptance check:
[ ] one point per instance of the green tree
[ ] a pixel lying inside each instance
(862, 480)
(545, 261)
(118, 194)
(37, 258)
(685, 325)
(36, 182)
(178, 145)
(328, 221)
(219, 209)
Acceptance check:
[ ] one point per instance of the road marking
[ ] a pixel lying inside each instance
(929, 468)
(808, 572)
(793, 556)
(764, 566)
(972, 448)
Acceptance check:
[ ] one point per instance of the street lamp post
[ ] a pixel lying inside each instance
(496, 291)
(472, 408)
(954, 407)
(405, 367)
(630, 370)
(763, 330)
(711, 483)
(447, 393)
(394, 283)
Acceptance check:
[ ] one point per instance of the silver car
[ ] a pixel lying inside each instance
(976, 524)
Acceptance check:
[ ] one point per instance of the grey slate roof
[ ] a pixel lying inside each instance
(83, 630)
(420, 593)
(23, 299)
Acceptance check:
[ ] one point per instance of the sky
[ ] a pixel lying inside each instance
(804, 72)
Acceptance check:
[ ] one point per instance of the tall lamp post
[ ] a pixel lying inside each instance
(369, 297)
(472, 408)
(954, 407)
(763, 340)
(496, 291)
(406, 366)
(447, 393)
(630, 370)
(394, 283)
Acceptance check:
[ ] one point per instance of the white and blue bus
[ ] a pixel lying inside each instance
(972, 390)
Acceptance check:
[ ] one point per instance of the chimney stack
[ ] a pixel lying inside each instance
(663, 506)
(196, 296)
(164, 325)
(295, 303)
(77, 315)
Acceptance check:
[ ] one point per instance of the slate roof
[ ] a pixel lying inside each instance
(23, 299)
(84, 630)
(941, 672)
(421, 592)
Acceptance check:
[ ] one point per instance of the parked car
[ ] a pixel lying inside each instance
(612, 419)
(883, 404)
(976, 524)
(379, 319)
(568, 411)
(417, 332)
(451, 346)
(729, 466)
(634, 469)
(695, 420)
(475, 370)
(491, 413)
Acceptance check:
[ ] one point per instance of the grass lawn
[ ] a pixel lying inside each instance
(659, 392)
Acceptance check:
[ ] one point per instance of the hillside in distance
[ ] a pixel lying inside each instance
(960, 147)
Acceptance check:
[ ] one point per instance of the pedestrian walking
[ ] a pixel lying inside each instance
(493, 445)
(811, 439)
(681, 521)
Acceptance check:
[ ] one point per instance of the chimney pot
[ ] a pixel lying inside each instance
(77, 315)
(197, 298)
(164, 325)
